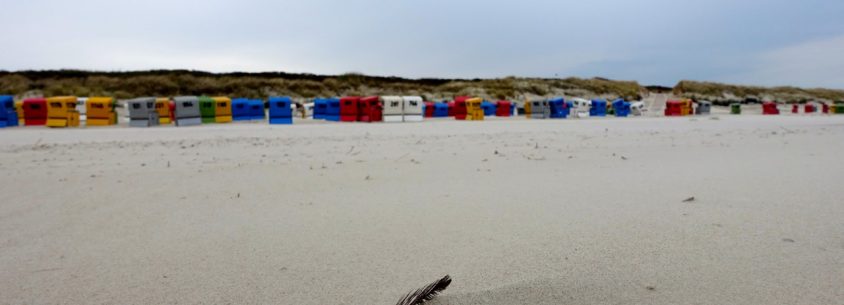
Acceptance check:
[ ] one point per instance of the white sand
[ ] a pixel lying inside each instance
(258, 214)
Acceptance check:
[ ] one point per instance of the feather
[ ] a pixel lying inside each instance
(426, 293)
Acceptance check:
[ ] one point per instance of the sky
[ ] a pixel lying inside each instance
(654, 42)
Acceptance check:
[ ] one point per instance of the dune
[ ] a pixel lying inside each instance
(517, 211)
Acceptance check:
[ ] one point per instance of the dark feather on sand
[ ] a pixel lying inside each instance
(426, 293)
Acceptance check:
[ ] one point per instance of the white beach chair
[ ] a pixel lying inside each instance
(580, 108)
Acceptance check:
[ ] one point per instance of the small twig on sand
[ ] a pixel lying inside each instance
(690, 199)
(532, 158)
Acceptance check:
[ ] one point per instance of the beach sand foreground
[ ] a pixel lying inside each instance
(516, 211)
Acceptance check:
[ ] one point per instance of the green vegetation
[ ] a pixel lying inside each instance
(124, 85)
(257, 85)
(716, 91)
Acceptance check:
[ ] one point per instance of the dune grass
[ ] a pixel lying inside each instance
(124, 85)
(718, 91)
(257, 85)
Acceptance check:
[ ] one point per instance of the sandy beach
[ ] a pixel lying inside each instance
(517, 211)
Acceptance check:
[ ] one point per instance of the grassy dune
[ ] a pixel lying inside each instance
(257, 85)
(182, 82)
(725, 92)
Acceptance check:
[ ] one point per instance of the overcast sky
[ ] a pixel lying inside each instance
(764, 42)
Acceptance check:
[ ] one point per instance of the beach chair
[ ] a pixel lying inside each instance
(393, 108)
(686, 107)
(35, 111)
(538, 109)
(526, 106)
(621, 108)
(429, 109)
(186, 111)
(19, 111)
(558, 108)
(580, 107)
(440, 110)
(673, 108)
(172, 111)
(474, 112)
(280, 110)
(412, 109)
(489, 108)
(349, 108)
(240, 109)
(332, 110)
(370, 110)
(703, 108)
(207, 108)
(256, 109)
(770, 108)
(222, 109)
(8, 112)
(637, 108)
(61, 112)
(503, 108)
(99, 111)
(363, 110)
(598, 108)
(163, 107)
(320, 107)
(142, 112)
(459, 111)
